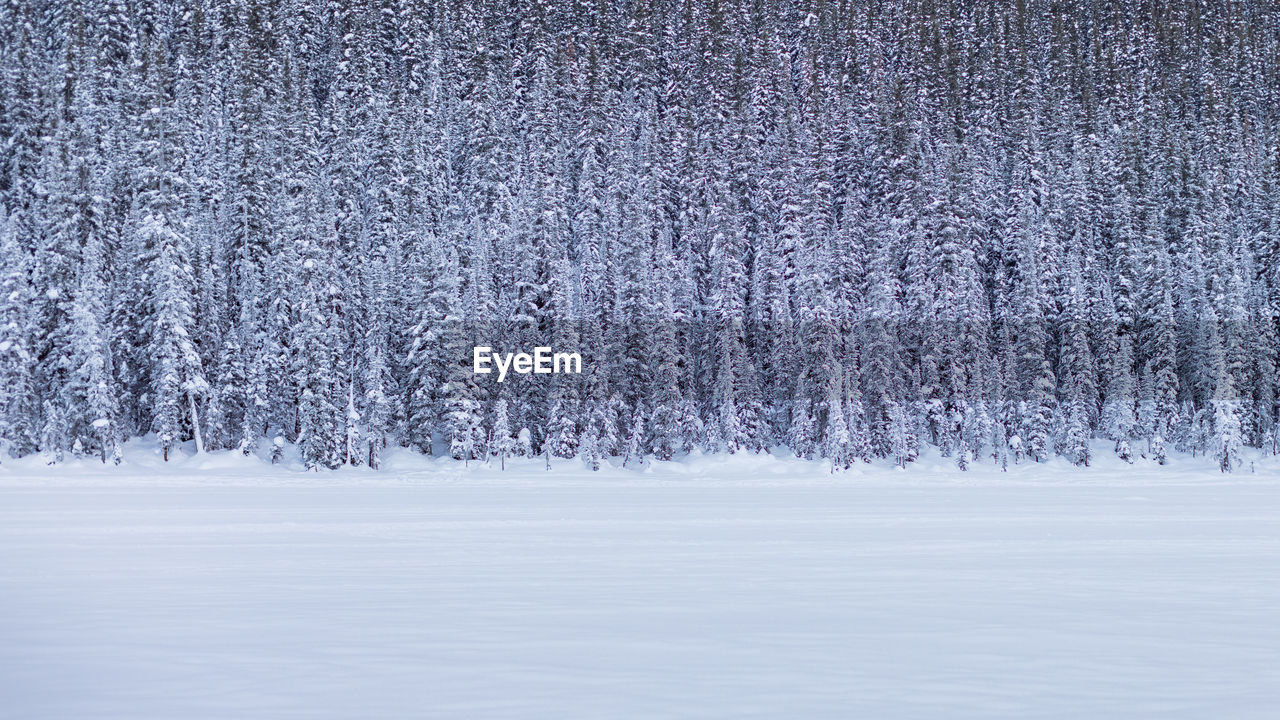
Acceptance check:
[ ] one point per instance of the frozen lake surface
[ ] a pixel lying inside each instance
(517, 597)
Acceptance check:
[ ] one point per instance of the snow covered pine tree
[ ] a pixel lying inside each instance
(840, 236)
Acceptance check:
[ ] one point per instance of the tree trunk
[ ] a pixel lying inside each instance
(195, 425)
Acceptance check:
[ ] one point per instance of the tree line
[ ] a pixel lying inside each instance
(846, 228)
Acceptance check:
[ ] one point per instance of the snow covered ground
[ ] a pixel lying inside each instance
(731, 588)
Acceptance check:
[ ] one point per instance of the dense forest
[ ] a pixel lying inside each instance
(846, 228)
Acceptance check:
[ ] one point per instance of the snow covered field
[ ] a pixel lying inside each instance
(740, 588)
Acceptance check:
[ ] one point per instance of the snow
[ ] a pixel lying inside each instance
(741, 587)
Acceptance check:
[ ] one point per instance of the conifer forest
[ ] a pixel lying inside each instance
(1001, 231)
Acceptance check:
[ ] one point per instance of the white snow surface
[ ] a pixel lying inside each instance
(216, 586)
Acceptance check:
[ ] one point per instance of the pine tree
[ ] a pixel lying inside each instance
(501, 442)
(158, 230)
(435, 291)
(524, 443)
(316, 339)
(1077, 371)
(590, 449)
(839, 446)
(17, 415)
(725, 428)
(904, 442)
(1158, 345)
(1226, 435)
(561, 433)
(92, 386)
(634, 449)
